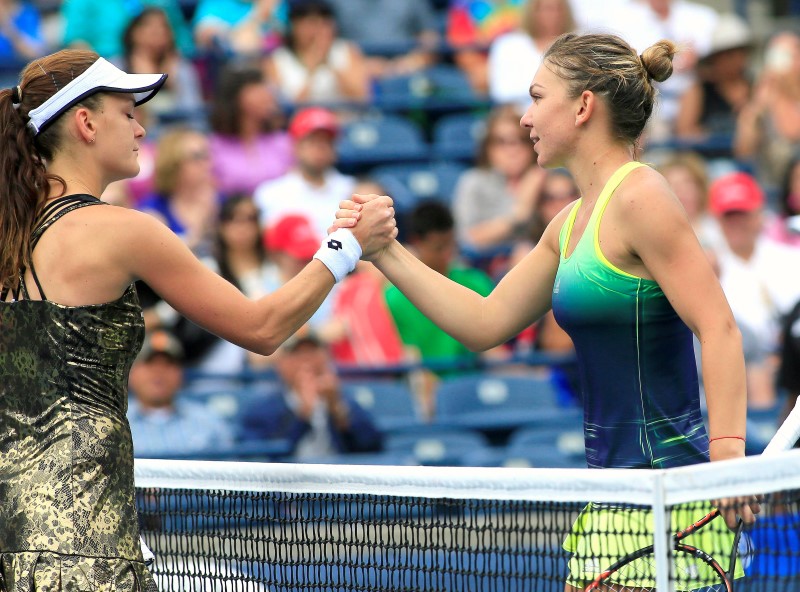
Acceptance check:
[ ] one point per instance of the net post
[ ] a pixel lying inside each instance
(662, 543)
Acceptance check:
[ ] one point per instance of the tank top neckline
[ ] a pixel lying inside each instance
(597, 210)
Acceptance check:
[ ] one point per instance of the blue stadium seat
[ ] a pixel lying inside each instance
(547, 456)
(439, 88)
(377, 140)
(435, 446)
(496, 402)
(386, 458)
(391, 403)
(567, 436)
(457, 136)
(409, 184)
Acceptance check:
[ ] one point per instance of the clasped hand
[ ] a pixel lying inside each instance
(371, 220)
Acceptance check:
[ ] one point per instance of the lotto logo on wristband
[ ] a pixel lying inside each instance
(334, 244)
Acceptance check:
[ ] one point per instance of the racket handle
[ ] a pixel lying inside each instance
(787, 434)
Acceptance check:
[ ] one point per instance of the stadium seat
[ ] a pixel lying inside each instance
(567, 436)
(391, 403)
(440, 88)
(496, 402)
(548, 456)
(457, 136)
(376, 140)
(409, 184)
(430, 445)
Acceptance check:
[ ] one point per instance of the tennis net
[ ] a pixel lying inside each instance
(216, 526)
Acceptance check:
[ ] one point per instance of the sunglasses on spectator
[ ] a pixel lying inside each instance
(507, 141)
(196, 155)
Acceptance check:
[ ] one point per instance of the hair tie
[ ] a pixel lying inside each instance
(16, 96)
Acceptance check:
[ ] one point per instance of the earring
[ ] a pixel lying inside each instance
(91, 141)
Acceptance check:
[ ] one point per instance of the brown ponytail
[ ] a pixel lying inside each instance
(24, 180)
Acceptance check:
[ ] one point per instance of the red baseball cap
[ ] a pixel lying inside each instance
(311, 120)
(295, 235)
(735, 192)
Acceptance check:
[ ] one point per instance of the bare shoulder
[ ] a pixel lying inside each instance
(645, 194)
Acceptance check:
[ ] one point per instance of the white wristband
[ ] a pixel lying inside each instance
(339, 252)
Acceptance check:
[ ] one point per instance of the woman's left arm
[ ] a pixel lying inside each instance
(657, 231)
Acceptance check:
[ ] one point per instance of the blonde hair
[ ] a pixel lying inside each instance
(694, 164)
(609, 67)
(531, 25)
(170, 155)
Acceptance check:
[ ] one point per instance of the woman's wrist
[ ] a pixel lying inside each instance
(340, 251)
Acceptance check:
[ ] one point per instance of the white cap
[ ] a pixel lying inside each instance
(102, 76)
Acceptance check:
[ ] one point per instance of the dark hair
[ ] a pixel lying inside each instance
(429, 216)
(226, 213)
(608, 66)
(23, 173)
(127, 36)
(224, 116)
(786, 189)
(300, 9)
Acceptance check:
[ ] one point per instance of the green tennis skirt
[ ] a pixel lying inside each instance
(603, 533)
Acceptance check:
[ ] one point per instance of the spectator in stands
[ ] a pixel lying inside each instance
(789, 371)
(99, 24)
(687, 175)
(185, 197)
(246, 27)
(20, 32)
(315, 65)
(432, 238)
(768, 128)
(241, 258)
(312, 412)
(758, 276)
(397, 37)
(248, 145)
(313, 187)
(493, 203)
(785, 227)
(149, 46)
(163, 424)
(687, 23)
(288, 239)
(514, 57)
(711, 105)
(472, 26)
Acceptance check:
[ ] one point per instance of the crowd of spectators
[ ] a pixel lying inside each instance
(242, 160)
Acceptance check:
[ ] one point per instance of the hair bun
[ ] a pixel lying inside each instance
(657, 60)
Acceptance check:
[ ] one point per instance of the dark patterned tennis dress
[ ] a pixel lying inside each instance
(67, 515)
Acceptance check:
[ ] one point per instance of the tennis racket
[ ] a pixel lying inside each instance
(784, 439)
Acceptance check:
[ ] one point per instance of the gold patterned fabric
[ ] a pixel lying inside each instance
(67, 513)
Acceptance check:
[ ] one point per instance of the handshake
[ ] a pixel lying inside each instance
(370, 218)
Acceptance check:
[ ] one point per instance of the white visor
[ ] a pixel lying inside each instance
(102, 76)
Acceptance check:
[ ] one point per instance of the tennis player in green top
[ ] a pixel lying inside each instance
(626, 278)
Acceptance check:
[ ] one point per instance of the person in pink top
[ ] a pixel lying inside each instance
(248, 146)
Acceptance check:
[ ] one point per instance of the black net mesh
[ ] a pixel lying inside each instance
(209, 540)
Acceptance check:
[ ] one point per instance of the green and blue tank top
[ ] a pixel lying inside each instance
(635, 356)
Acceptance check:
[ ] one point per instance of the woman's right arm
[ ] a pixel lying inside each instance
(521, 297)
(169, 267)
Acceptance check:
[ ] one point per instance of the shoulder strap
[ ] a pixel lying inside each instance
(50, 214)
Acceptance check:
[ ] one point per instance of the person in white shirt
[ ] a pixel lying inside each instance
(688, 24)
(759, 277)
(522, 50)
(313, 188)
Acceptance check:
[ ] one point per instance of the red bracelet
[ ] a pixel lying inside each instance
(727, 438)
